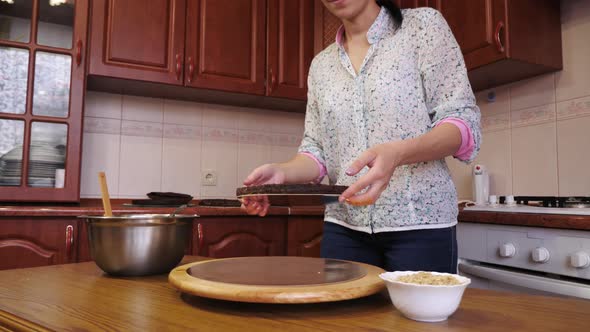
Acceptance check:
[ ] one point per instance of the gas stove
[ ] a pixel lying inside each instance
(536, 204)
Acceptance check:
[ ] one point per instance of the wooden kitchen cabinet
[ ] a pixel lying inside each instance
(502, 41)
(419, 3)
(42, 86)
(505, 41)
(304, 235)
(290, 47)
(254, 47)
(37, 241)
(138, 40)
(221, 237)
(225, 42)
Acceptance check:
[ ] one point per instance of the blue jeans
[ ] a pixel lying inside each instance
(413, 250)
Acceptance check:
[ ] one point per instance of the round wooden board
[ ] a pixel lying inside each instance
(316, 279)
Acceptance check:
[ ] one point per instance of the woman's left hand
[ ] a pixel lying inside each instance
(382, 160)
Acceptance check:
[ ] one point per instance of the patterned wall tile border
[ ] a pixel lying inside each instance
(286, 140)
(102, 125)
(533, 116)
(220, 134)
(182, 132)
(495, 122)
(139, 128)
(573, 108)
(255, 137)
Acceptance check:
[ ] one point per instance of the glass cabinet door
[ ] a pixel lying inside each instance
(41, 98)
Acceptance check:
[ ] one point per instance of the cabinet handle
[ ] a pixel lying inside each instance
(191, 69)
(78, 53)
(69, 240)
(200, 236)
(178, 66)
(499, 45)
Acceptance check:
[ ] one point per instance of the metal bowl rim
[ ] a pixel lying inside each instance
(124, 217)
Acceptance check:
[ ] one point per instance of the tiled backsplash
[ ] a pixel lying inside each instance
(149, 144)
(536, 137)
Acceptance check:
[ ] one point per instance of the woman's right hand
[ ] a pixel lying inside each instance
(265, 174)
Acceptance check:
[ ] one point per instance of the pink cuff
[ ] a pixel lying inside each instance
(467, 140)
(321, 166)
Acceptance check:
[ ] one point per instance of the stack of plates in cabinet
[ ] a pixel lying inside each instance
(44, 159)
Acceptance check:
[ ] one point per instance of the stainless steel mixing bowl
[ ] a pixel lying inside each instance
(138, 244)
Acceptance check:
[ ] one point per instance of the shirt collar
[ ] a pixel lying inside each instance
(380, 26)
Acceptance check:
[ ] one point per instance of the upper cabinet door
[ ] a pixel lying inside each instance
(136, 39)
(480, 29)
(290, 47)
(225, 43)
(419, 3)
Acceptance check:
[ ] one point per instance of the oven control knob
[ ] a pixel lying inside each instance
(541, 255)
(580, 260)
(507, 250)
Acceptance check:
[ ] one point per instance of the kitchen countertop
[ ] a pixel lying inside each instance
(560, 221)
(504, 218)
(73, 211)
(79, 297)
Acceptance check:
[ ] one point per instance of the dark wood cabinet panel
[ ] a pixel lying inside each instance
(29, 242)
(139, 40)
(504, 41)
(83, 246)
(480, 29)
(289, 48)
(325, 27)
(304, 235)
(225, 43)
(221, 237)
(419, 3)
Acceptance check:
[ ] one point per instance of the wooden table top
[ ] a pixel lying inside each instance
(79, 297)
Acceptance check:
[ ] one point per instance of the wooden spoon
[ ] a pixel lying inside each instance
(106, 202)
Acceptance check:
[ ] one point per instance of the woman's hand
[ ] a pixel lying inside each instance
(265, 174)
(382, 161)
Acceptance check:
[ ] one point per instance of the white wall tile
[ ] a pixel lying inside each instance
(256, 120)
(143, 109)
(572, 81)
(573, 140)
(533, 92)
(183, 112)
(495, 154)
(219, 116)
(100, 153)
(534, 160)
(181, 166)
(141, 166)
(103, 105)
(461, 174)
(500, 105)
(288, 123)
(254, 149)
(220, 153)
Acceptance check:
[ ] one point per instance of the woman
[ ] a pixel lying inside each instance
(387, 102)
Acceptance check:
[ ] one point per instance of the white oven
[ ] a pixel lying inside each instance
(531, 260)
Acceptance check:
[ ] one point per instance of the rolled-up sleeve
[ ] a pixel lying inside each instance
(447, 89)
(311, 144)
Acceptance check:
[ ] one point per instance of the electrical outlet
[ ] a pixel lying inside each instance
(209, 177)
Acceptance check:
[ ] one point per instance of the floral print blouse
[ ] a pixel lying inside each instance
(412, 78)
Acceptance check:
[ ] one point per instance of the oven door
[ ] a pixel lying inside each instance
(492, 277)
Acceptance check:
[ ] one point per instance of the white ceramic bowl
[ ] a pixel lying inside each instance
(425, 303)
